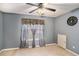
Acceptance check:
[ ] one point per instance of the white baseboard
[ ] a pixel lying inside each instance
(51, 44)
(8, 49)
(72, 52)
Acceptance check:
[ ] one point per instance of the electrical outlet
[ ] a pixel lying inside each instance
(73, 47)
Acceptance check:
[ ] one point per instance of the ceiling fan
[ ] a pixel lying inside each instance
(40, 6)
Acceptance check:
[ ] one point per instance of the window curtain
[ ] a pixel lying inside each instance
(39, 36)
(32, 35)
(24, 36)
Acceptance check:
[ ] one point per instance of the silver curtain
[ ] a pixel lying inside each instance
(32, 36)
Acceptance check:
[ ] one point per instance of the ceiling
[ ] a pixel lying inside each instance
(23, 8)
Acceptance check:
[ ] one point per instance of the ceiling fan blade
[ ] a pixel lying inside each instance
(32, 4)
(51, 9)
(33, 10)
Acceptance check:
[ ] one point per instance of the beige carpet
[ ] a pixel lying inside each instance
(52, 50)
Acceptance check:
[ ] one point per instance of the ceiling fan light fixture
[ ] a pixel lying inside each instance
(41, 8)
(40, 11)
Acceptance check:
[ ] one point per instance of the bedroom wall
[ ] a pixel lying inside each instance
(12, 29)
(72, 32)
(1, 30)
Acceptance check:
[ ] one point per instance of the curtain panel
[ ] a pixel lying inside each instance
(32, 33)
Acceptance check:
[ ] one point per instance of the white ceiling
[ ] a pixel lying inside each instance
(22, 8)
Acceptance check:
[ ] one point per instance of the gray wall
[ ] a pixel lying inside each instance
(1, 30)
(11, 28)
(72, 32)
